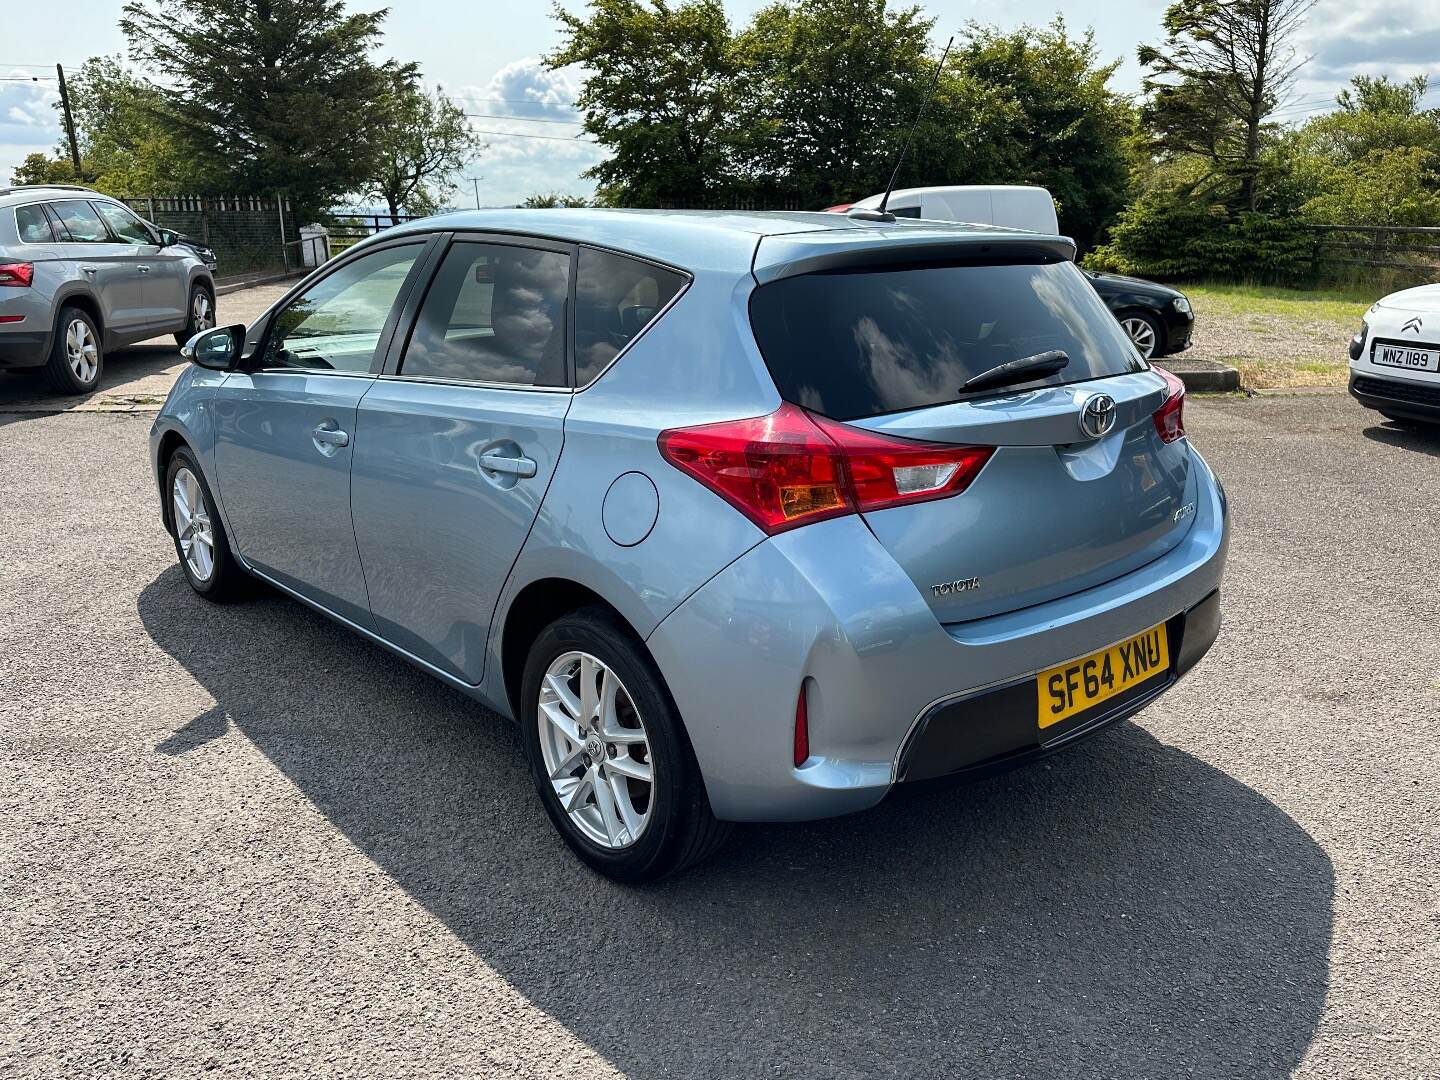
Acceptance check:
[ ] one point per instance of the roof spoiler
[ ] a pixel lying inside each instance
(790, 254)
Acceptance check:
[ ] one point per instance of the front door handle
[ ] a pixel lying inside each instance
(330, 436)
(143, 268)
(522, 467)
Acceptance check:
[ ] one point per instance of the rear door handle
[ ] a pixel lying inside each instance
(143, 268)
(331, 436)
(522, 467)
(90, 269)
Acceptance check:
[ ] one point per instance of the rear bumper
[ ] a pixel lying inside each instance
(978, 734)
(23, 349)
(1414, 400)
(827, 607)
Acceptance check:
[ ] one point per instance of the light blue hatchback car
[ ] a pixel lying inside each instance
(742, 517)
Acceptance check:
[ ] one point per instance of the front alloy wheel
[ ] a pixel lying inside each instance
(596, 753)
(193, 530)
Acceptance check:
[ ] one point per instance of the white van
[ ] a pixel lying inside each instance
(1014, 206)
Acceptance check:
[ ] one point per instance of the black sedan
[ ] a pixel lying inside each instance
(1157, 317)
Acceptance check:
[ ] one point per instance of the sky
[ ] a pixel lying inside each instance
(486, 53)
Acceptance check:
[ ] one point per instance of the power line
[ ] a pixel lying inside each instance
(526, 119)
(523, 135)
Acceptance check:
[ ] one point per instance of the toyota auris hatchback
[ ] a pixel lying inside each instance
(1395, 356)
(742, 517)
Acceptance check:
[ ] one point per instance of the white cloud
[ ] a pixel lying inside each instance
(28, 120)
(527, 117)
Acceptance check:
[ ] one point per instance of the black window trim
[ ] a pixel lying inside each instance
(49, 221)
(252, 364)
(392, 370)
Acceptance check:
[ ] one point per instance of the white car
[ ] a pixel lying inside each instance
(1395, 356)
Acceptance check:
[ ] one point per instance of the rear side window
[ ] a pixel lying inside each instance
(81, 222)
(33, 225)
(615, 297)
(495, 314)
(860, 343)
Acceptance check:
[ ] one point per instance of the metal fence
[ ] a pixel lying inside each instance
(1407, 248)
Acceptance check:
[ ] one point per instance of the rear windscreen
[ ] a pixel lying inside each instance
(856, 343)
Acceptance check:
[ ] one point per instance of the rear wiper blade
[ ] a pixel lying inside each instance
(1018, 371)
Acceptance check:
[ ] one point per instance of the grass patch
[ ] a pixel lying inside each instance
(1258, 374)
(1341, 304)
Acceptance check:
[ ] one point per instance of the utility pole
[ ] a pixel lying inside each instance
(69, 122)
(476, 181)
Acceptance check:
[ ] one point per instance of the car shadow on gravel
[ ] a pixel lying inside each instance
(1123, 910)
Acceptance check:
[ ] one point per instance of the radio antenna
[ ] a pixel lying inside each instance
(882, 214)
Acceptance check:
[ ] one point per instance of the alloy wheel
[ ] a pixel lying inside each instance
(81, 351)
(595, 749)
(1142, 334)
(192, 525)
(202, 312)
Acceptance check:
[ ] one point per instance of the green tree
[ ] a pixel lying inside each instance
(659, 96)
(1224, 67)
(422, 141)
(124, 149)
(552, 199)
(37, 168)
(828, 89)
(1039, 110)
(275, 95)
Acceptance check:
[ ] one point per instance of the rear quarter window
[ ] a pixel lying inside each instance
(857, 343)
(32, 225)
(615, 298)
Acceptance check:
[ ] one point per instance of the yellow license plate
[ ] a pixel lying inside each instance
(1082, 684)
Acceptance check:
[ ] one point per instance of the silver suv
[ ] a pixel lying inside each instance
(80, 274)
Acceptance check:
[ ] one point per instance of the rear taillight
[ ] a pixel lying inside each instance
(16, 275)
(792, 468)
(1170, 417)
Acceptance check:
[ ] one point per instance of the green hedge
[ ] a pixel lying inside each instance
(1163, 238)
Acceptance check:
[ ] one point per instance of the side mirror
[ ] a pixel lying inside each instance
(168, 237)
(218, 349)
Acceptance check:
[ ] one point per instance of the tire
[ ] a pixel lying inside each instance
(1142, 328)
(77, 355)
(225, 579)
(678, 828)
(201, 313)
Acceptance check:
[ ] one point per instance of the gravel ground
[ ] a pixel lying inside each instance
(238, 841)
(1271, 350)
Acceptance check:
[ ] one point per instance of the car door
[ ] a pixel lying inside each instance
(458, 444)
(111, 267)
(163, 272)
(286, 426)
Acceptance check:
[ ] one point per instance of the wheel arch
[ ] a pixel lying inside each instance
(536, 606)
(80, 298)
(170, 441)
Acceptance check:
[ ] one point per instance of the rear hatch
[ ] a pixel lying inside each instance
(1056, 509)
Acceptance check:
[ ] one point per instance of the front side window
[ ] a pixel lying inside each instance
(857, 343)
(81, 222)
(495, 314)
(336, 324)
(34, 226)
(615, 297)
(124, 224)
